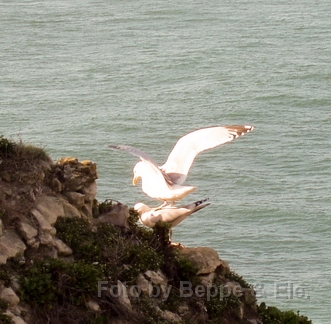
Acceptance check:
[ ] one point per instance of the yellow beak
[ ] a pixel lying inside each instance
(135, 180)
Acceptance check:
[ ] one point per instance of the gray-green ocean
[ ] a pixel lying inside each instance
(76, 76)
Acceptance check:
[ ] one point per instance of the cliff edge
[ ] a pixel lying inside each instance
(67, 258)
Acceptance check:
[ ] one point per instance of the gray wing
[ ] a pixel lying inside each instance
(169, 215)
(134, 151)
(189, 146)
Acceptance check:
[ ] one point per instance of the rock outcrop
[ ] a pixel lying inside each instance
(31, 208)
(194, 285)
(11, 245)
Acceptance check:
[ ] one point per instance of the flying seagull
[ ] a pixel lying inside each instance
(165, 182)
(171, 215)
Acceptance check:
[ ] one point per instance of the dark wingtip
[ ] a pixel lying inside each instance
(114, 146)
(249, 128)
(197, 203)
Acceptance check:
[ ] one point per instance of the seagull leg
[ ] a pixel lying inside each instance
(161, 206)
(170, 235)
(165, 203)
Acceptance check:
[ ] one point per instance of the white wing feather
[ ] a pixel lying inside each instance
(189, 146)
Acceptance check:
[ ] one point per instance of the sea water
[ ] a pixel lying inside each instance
(76, 76)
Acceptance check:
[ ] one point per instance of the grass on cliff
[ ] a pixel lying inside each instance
(18, 154)
(23, 163)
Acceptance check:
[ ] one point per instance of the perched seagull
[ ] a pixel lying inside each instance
(165, 182)
(173, 215)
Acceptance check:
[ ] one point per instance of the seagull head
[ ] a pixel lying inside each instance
(136, 174)
(141, 208)
(138, 171)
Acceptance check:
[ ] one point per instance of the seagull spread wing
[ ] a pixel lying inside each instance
(189, 146)
(134, 151)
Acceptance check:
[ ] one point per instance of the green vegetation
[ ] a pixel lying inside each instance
(58, 290)
(120, 256)
(233, 276)
(30, 153)
(4, 319)
(7, 147)
(19, 151)
(151, 315)
(5, 277)
(100, 252)
(186, 270)
(226, 302)
(56, 282)
(272, 315)
(220, 305)
(105, 206)
(20, 162)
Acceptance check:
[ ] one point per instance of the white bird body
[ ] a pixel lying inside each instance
(173, 215)
(165, 182)
(155, 185)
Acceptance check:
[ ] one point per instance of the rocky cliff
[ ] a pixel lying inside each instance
(67, 258)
